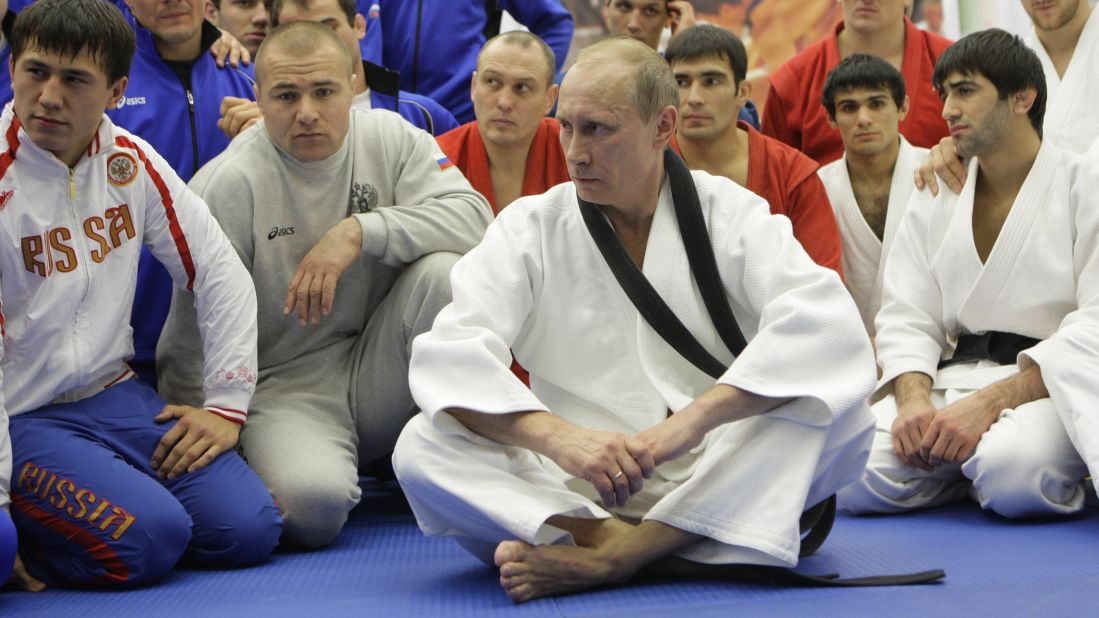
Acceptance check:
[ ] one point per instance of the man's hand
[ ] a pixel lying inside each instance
(671, 438)
(943, 161)
(229, 47)
(237, 115)
(23, 580)
(313, 287)
(956, 429)
(909, 430)
(197, 439)
(614, 463)
(683, 15)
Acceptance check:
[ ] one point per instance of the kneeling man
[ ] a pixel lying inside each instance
(111, 486)
(989, 330)
(359, 213)
(623, 454)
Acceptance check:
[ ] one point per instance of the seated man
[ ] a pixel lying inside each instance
(710, 66)
(645, 20)
(246, 20)
(375, 86)
(793, 112)
(434, 43)
(512, 149)
(518, 475)
(319, 195)
(1066, 39)
(111, 486)
(988, 333)
(868, 188)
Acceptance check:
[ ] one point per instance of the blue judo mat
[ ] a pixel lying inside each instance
(382, 566)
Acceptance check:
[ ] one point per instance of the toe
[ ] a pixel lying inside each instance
(509, 551)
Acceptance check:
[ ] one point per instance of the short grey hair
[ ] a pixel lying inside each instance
(653, 87)
(298, 39)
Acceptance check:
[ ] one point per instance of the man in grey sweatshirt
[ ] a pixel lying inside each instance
(349, 222)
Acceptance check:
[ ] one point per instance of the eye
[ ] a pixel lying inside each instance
(522, 88)
(324, 92)
(650, 11)
(711, 81)
(565, 125)
(287, 96)
(682, 82)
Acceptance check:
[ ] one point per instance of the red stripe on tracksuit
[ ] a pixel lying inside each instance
(12, 137)
(169, 210)
(116, 570)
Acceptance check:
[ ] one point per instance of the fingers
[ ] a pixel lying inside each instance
(166, 445)
(292, 292)
(328, 293)
(179, 457)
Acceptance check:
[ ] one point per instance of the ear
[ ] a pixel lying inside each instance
(903, 111)
(118, 90)
(359, 26)
(1022, 101)
(472, 85)
(667, 120)
(831, 121)
(551, 97)
(743, 92)
(211, 12)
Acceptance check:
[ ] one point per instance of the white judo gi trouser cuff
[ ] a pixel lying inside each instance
(744, 491)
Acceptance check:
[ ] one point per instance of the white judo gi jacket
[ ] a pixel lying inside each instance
(538, 286)
(1041, 280)
(864, 255)
(1070, 121)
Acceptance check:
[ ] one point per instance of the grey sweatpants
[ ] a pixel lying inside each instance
(313, 419)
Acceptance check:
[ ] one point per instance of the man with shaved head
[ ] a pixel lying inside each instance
(622, 454)
(512, 149)
(349, 222)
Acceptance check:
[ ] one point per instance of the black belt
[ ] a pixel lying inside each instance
(1000, 348)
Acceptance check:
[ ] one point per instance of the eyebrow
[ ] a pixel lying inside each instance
(38, 64)
(294, 86)
(495, 73)
(874, 97)
(960, 82)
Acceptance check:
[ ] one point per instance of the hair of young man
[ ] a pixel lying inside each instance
(653, 87)
(216, 3)
(69, 27)
(298, 39)
(861, 72)
(706, 41)
(347, 6)
(524, 40)
(1002, 59)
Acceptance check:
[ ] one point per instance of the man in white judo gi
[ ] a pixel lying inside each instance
(989, 331)
(868, 188)
(1066, 39)
(622, 454)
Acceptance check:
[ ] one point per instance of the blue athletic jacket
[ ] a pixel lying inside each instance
(421, 111)
(434, 43)
(182, 127)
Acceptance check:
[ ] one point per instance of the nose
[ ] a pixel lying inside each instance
(504, 100)
(262, 17)
(633, 26)
(307, 111)
(51, 96)
(864, 115)
(694, 94)
(576, 151)
(950, 109)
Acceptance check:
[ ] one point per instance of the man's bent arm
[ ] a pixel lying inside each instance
(614, 463)
(684, 430)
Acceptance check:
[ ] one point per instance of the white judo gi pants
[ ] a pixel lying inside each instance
(744, 489)
(1024, 466)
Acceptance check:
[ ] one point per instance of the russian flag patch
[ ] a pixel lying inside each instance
(444, 163)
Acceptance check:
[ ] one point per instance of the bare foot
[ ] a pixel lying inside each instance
(528, 572)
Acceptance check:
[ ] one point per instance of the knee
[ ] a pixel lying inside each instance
(1018, 479)
(431, 276)
(154, 542)
(314, 510)
(244, 534)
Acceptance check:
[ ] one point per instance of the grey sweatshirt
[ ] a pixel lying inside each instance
(274, 209)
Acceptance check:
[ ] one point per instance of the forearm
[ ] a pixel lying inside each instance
(912, 388)
(1021, 388)
(723, 404)
(532, 430)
